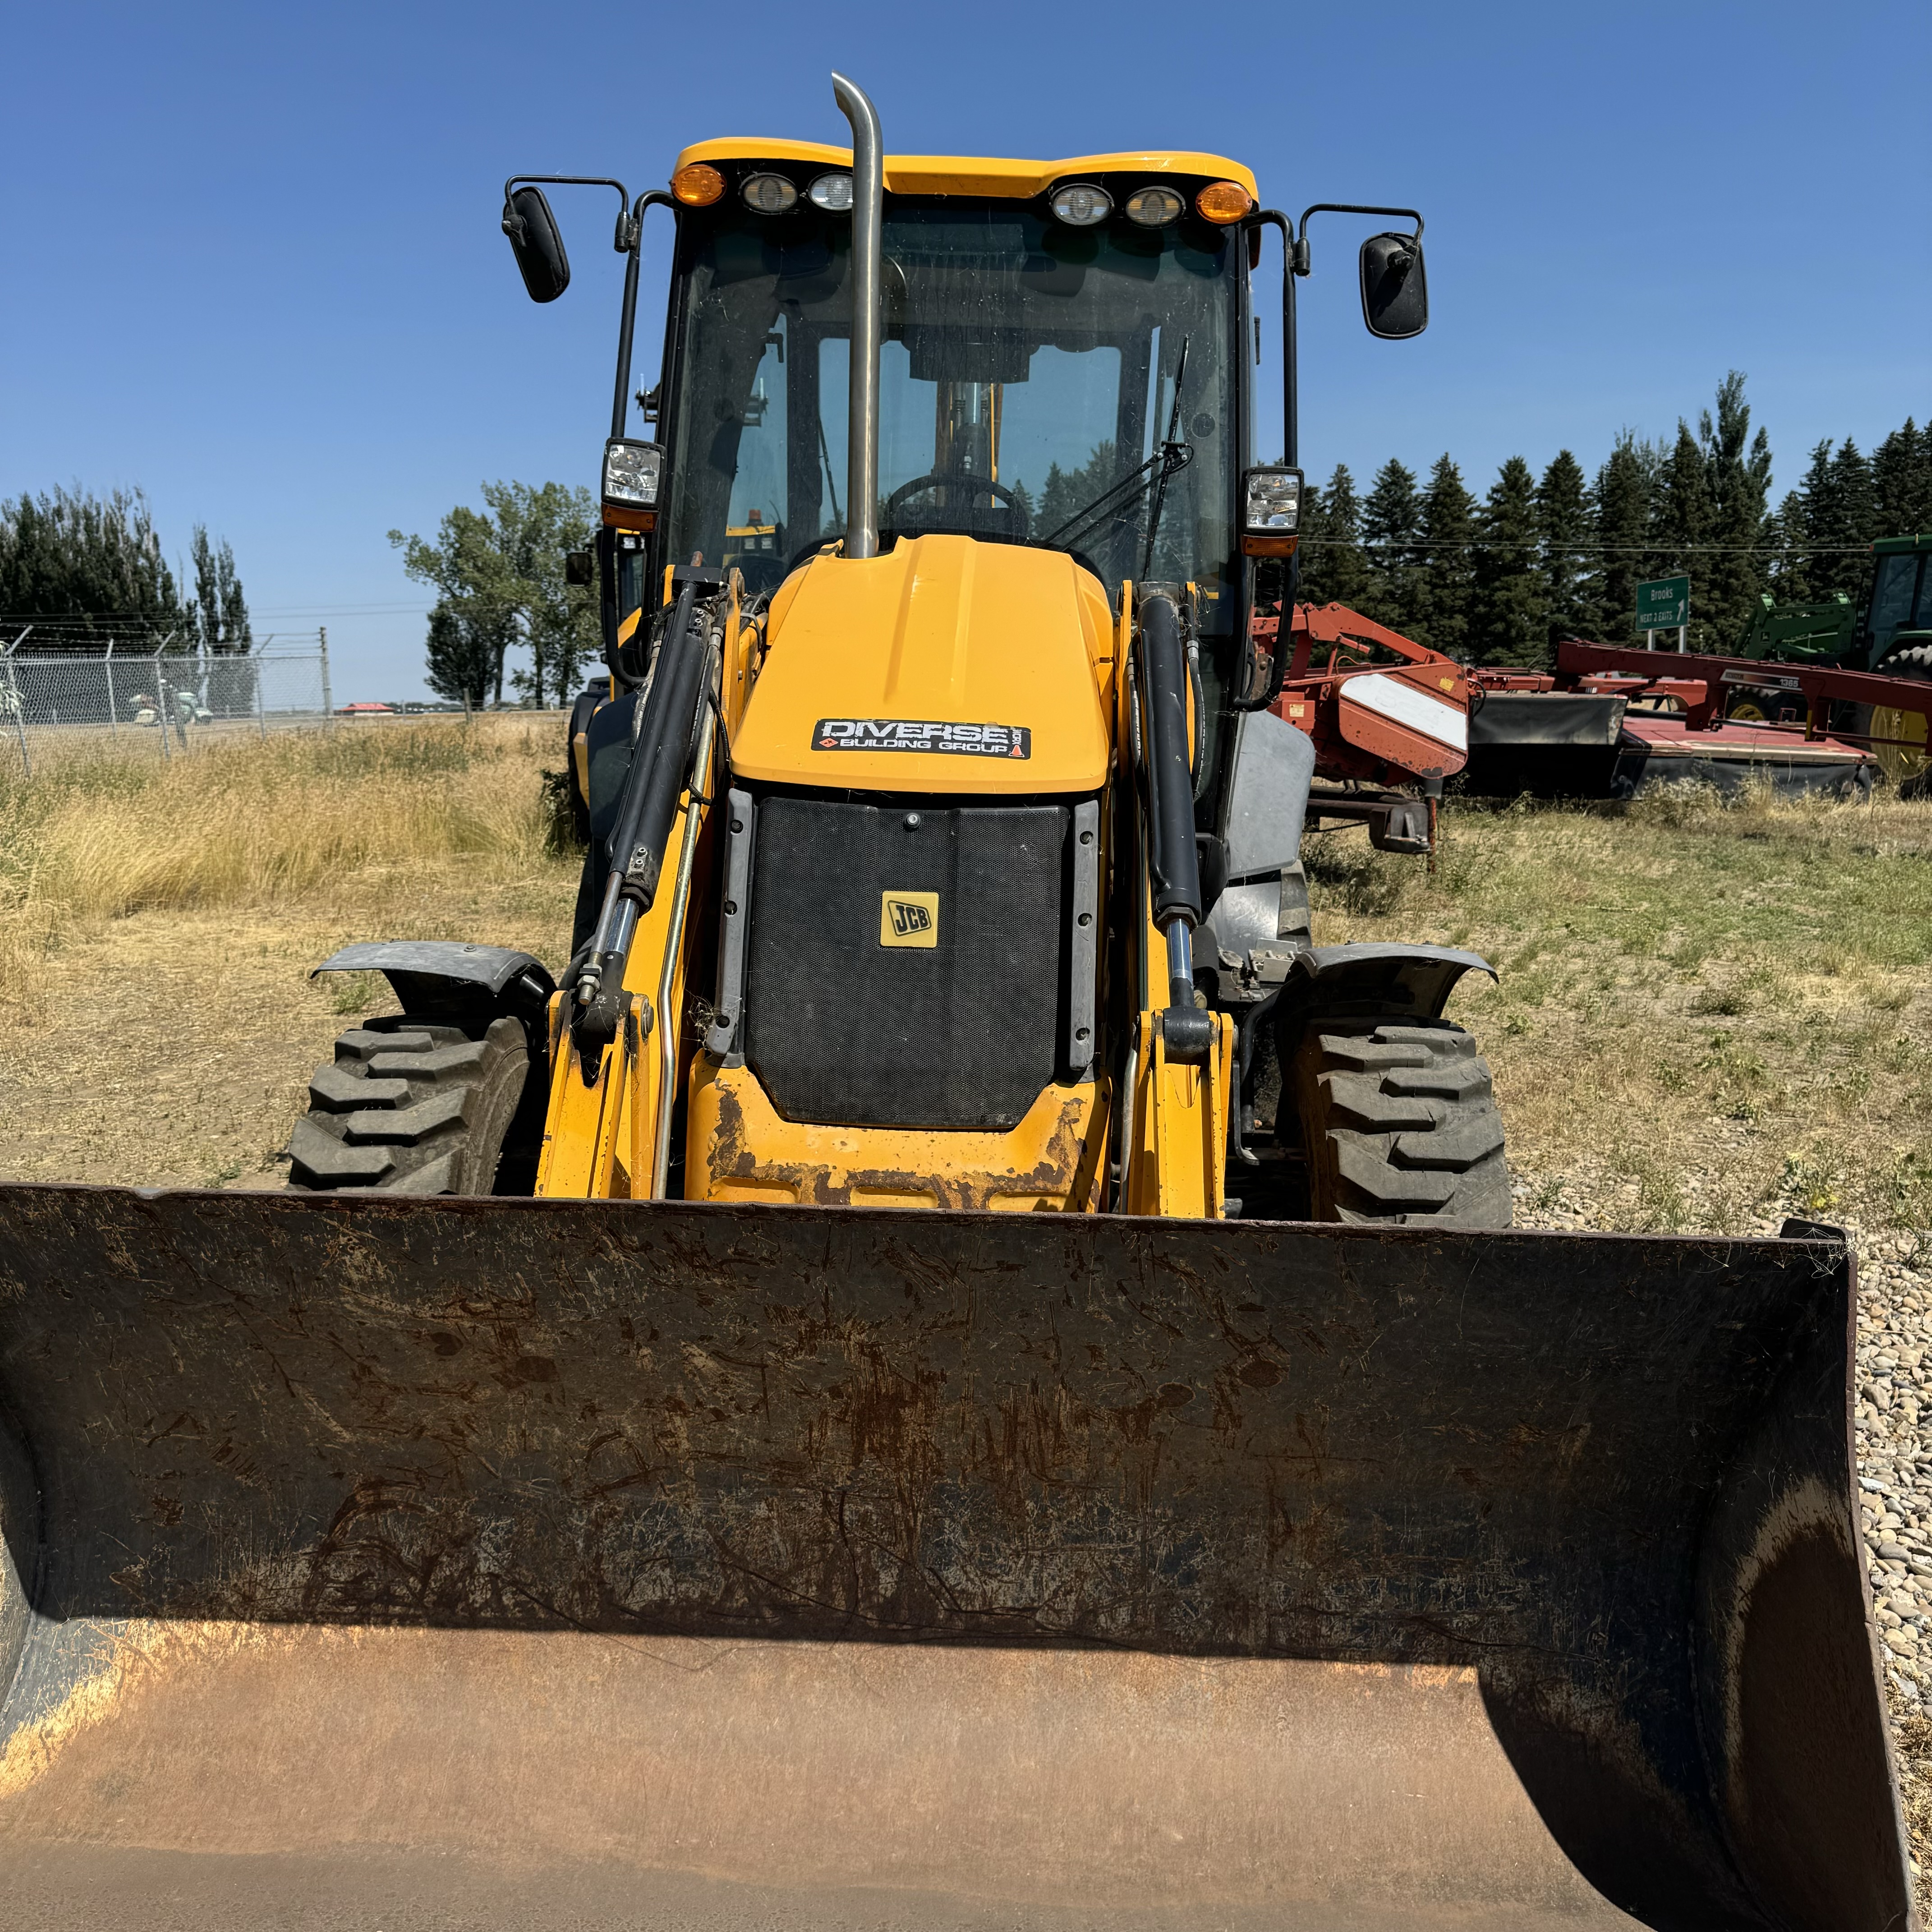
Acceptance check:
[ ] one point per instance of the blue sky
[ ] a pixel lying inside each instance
(257, 269)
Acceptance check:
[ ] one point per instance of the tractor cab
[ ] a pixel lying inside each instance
(1901, 599)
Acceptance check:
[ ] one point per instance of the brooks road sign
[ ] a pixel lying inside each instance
(1664, 605)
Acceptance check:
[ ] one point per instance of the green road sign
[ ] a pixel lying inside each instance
(1664, 605)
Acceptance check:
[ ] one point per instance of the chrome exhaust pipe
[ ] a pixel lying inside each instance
(868, 191)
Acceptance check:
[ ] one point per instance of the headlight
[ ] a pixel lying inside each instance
(1080, 205)
(1154, 207)
(769, 194)
(832, 193)
(1274, 507)
(632, 472)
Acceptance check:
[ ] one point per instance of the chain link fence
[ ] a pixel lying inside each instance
(164, 703)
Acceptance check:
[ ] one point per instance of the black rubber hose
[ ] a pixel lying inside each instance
(1174, 864)
(658, 759)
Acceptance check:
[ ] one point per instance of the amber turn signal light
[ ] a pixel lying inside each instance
(698, 185)
(1223, 202)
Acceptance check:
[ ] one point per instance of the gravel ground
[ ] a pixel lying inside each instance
(1893, 1431)
(1895, 1447)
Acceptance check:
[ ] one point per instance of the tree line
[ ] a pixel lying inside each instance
(77, 569)
(1503, 579)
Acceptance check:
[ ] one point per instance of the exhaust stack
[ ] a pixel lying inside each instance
(869, 188)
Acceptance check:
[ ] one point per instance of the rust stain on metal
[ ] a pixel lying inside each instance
(1063, 1172)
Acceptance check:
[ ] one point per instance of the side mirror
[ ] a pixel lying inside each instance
(1395, 292)
(537, 244)
(580, 567)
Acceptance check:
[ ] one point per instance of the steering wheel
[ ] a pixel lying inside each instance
(1010, 514)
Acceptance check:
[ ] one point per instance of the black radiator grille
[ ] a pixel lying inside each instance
(843, 1029)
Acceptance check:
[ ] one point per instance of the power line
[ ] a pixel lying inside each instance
(1589, 550)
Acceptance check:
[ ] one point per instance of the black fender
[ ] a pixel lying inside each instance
(1367, 980)
(459, 984)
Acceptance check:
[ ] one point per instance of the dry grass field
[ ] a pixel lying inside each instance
(158, 922)
(1708, 1017)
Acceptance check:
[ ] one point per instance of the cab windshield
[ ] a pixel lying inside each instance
(1039, 384)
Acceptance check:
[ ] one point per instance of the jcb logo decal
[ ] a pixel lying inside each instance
(909, 919)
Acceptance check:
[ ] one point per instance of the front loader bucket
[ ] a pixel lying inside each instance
(540, 1564)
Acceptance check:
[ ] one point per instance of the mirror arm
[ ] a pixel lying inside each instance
(564, 180)
(1350, 207)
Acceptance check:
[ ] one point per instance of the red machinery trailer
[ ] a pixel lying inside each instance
(1389, 718)
(1612, 718)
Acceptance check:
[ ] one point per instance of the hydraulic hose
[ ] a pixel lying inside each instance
(645, 810)
(663, 754)
(1174, 861)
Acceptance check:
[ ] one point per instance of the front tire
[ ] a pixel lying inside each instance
(1906, 763)
(407, 1106)
(1398, 1125)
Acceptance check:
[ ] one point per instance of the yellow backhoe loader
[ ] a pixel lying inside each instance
(792, 1422)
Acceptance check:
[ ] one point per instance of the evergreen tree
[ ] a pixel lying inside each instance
(221, 611)
(1680, 511)
(1067, 492)
(1332, 570)
(1446, 596)
(1786, 577)
(1619, 507)
(502, 569)
(1737, 482)
(1312, 509)
(1805, 514)
(1391, 525)
(1902, 481)
(1512, 615)
(1843, 521)
(1563, 534)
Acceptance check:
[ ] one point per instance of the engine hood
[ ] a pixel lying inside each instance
(945, 665)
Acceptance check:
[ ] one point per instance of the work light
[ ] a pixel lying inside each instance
(632, 472)
(832, 193)
(769, 194)
(1080, 204)
(1272, 508)
(1154, 207)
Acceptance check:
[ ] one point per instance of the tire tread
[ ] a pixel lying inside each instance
(406, 1107)
(1399, 1125)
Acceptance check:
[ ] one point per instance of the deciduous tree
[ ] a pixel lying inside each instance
(499, 572)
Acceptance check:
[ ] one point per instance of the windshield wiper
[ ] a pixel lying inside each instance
(1171, 457)
(1167, 470)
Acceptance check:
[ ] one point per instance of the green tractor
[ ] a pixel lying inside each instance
(1892, 634)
